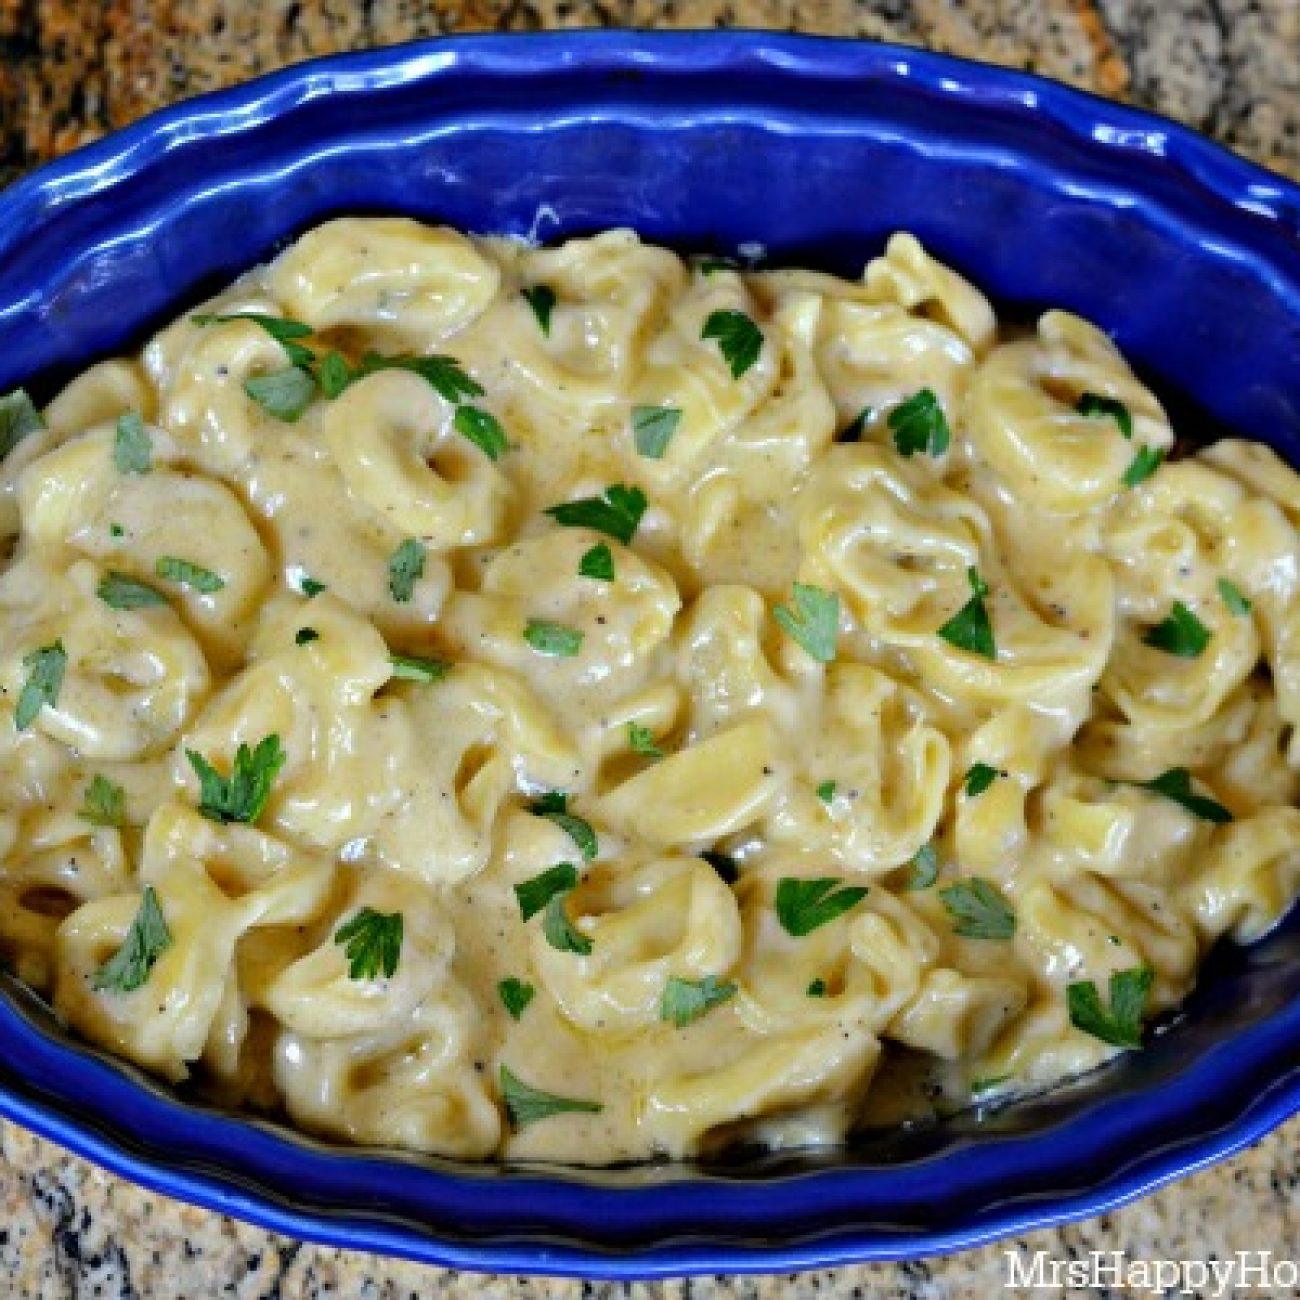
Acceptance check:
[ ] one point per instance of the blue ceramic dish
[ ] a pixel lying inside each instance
(815, 150)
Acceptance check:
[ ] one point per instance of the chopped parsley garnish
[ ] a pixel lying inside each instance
(826, 791)
(1176, 784)
(305, 636)
(533, 895)
(147, 939)
(597, 563)
(642, 740)
(812, 620)
(526, 1105)
(45, 668)
(242, 795)
(617, 513)
(418, 668)
(554, 806)
(120, 591)
(559, 931)
(116, 530)
(1121, 1025)
(104, 803)
(1145, 463)
(19, 418)
(541, 298)
(686, 1001)
(653, 428)
(515, 996)
(969, 628)
(978, 910)
(853, 431)
(723, 863)
(373, 943)
(282, 394)
(712, 265)
(1238, 604)
(310, 587)
(1095, 405)
(919, 424)
(284, 331)
(553, 639)
(803, 906)
(980, 1086)
(923, 870)
(817, 989)
(445, 375)
(978, 778)
(482, 429)
(1181, 634)
(739, 339)
(132, 446)
(405, 569)
(194, 576)
(334, 375)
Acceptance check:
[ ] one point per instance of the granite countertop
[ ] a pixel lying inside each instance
(72, 69)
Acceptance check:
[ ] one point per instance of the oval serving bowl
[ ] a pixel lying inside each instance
(813, 150)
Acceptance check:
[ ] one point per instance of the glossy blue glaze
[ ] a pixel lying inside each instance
(816, 150)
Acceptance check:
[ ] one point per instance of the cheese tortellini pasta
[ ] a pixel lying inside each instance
(583, 704)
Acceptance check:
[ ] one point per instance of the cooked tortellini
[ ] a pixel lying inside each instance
(582, 704)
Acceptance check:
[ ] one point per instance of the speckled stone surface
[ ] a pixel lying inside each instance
(72, 69)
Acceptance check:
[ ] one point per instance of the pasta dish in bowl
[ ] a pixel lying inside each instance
(582, 704)
(536, 752)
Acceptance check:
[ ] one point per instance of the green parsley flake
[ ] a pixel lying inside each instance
(812, 621)
(826, 792)
(554, 806)
(533, 895)
(686, 1001)
(553, 639)
(739, 340)
(817, 989)
(969, 628)
(445, 375)
(104, 803)
(653, 428)
(987, 1084)
(242, 796)
(1121, 1025)
(559, 931)
(617, 513)
(515, 996)
(45, 668)
(1181, 634)
(1231, 595)
(978, 778)
(803, 906)
(1095, 405)
(19, 419)
(715, 265)
(541, 298)
(1176, 784)
(120, 591)
(405, 569)
(597, 563)
(372, 943)
(282, 394)
(482, 429)
(132, 446)
(923, 869)
(642, 740)
(305, 636)
(310, 587)
(919, 424)
(283, 330)
(1145, 463)
(189, 575)
(418, 668)
(147, 939)
(527, 1105)
(979, 910)
(334, 374)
